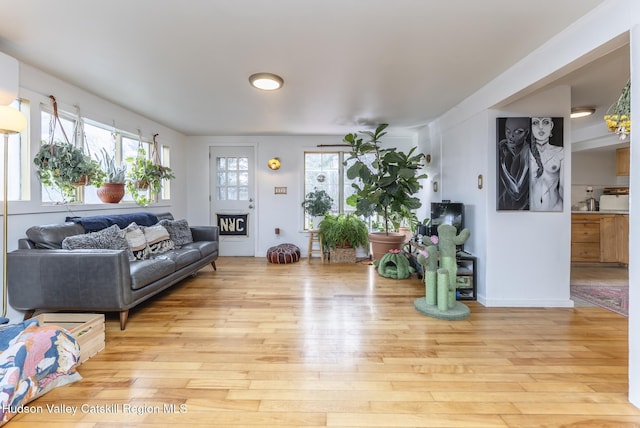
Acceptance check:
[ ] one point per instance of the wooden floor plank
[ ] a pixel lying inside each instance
(326, 345)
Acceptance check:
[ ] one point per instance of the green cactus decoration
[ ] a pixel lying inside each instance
(394, 265)
(440, 268)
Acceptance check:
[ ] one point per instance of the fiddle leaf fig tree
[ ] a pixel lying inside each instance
(386, 179)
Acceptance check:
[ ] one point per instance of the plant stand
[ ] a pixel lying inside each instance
(315, 237)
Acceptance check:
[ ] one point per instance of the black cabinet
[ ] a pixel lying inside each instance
(466, 282)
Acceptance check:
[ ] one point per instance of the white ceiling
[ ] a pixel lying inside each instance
(346, 63)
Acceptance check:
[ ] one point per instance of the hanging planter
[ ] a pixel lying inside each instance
(145, 176)
(618, 117)
(64, 166)
(142, 184)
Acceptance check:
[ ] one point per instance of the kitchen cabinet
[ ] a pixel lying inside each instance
(623, 158)
(614, 238)
(600, 237)
(585, 238)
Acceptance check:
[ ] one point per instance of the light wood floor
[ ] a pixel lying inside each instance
(312, 345)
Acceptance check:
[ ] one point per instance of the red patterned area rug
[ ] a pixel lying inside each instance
(615, 299)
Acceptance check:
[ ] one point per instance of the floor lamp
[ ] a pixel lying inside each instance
(12, 121)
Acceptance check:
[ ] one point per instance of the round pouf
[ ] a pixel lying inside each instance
(283, 253)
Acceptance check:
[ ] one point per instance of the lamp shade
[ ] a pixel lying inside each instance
(12, 121)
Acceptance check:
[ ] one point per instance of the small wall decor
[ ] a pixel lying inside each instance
(530, 159)
(233, 224)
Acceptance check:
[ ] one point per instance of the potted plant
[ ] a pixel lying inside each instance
(405, 222)
(66, 167)
(385, 186)
(112, 190)
(341, 235)
(144, 177)
(317, 203)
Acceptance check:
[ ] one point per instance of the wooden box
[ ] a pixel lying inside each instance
(87, 329)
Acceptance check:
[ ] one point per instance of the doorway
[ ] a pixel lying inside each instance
(232, 199)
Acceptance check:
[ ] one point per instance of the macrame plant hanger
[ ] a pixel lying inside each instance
(141, 184)
(155, 153)
(52, 123)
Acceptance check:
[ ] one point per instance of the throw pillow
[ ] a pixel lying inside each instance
(179, 231)
(137, 243)
(158, 239)
(110, 238)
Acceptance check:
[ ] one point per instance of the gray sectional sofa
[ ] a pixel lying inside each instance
(43, 275)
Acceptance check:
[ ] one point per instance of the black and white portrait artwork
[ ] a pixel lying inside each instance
(530, 153)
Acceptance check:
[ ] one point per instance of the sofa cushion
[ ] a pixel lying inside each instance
(139, 250)
(144, 272)
(181, 256)
(179, 231)
(158, 239)
(50, 236)
(111, 238)
(205, 247)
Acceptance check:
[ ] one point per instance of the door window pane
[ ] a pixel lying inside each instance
(233, 178)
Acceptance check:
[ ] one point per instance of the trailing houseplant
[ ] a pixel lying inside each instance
(65, 166)
(143, 175)
(385, 185)
(112, 190)
(317, 203)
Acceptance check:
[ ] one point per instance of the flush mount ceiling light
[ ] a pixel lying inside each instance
(266, 81)
(582, 112)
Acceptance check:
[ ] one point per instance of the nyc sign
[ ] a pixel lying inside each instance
(233, 224)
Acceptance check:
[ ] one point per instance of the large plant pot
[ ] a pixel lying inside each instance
(382, 242)
(111, 193)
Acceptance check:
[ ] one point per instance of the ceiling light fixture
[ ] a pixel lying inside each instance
(266, 81)
(582, 112)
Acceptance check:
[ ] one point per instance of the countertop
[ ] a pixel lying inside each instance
(601, 212)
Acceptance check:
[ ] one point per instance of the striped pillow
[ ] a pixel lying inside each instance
(158, 239)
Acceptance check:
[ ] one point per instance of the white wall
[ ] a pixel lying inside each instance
(282, 211)
(529, 252)
(596, 169)
(518, 244)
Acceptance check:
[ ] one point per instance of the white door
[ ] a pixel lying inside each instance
(233, 198)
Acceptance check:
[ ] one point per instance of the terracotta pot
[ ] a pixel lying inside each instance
(142, 184)
(382, 242)
(83, 181)
(111, 193)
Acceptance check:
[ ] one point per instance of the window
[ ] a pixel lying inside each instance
(165, 159)
(95, 137)
(232, 182)
(17, 159)
(325, 171)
